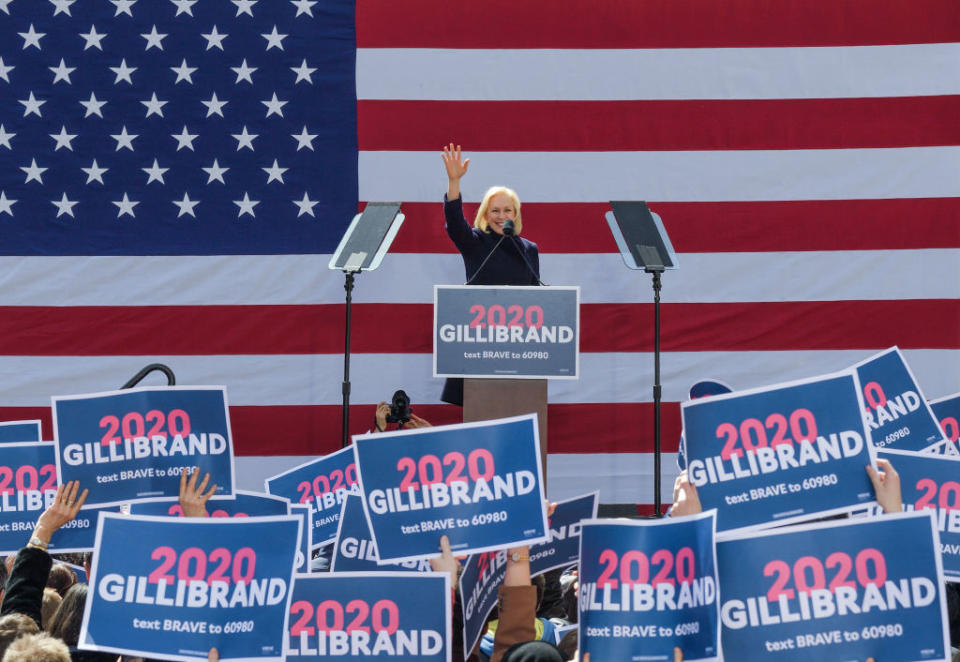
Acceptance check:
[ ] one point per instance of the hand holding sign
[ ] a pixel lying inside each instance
(886, 485)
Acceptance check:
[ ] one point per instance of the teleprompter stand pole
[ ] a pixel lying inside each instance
(348, 286)
(361, 249)
(644, 245)
(657, 390)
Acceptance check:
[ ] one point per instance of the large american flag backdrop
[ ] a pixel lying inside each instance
(175, 173)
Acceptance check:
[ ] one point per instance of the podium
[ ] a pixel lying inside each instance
(505, 342)
(486, 399)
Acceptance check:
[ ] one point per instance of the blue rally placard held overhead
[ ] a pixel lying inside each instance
(369, 616)
(173, 588)
(947, 413)
(508, 331)
(132, 445)
(28, 485)
(648, 587)
(243, 503)
(896, 411)
(480, 484)
(779, 454)
(323, 484)
(483, 573)
(19, 431)
(932, 482)
(842, 590)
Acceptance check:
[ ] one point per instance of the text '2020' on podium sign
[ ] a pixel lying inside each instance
(506, 332)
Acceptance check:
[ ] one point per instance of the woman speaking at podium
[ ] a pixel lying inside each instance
(493, 252)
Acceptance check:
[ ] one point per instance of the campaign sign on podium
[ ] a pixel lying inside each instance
(508, 331)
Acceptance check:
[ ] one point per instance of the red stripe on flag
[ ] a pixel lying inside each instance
(276, 330)
(565, 126)
(653, 23)
(315, 429)
(803, 225)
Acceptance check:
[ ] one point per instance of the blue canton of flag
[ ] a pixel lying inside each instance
(165, 127)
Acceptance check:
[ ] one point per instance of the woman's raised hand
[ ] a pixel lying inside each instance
(454, 162)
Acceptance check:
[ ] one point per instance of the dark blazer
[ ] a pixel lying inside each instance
(505, 266)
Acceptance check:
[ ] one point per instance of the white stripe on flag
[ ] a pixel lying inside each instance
(684, 73)
(681, 176)
(409, 278)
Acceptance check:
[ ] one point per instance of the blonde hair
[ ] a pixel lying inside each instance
(480, 222)
(37, 648)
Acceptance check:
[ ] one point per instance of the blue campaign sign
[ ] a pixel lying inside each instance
(648, 587)
(322, 483)
(480, 484)
(303, 511)
(130, 445)
(19, 431)
(243, 503)
(28, 484)
(779, 454)
(947, 413)
(507, 331)
(368, 616)
(481, 577)
(173, 588)
(842, 590)
(896, 411)
(702, 389)
(930, 482)
(483, 573)
(79, 534)
(354, 549)
(563, 548)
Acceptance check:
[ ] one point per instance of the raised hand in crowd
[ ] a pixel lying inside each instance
(193, 497)
(456, 168)
(446, 562)
(685, 498)
(64, 508)
(213, 655)
(886, 485)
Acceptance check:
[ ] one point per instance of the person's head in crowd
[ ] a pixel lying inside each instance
(533, 651)
(51, 602)
(13, 626)
(66, 622)
(569, 644)
(39, 647)
(499, 204)
(61, 578)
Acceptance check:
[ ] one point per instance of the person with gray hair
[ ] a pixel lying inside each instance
(39, 647)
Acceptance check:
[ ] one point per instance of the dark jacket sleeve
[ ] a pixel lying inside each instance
(518, 612)
(25, 585)
(458, 229)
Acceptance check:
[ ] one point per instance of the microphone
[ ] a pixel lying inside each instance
(508, 227)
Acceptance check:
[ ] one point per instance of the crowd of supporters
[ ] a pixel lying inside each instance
(43, 603)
